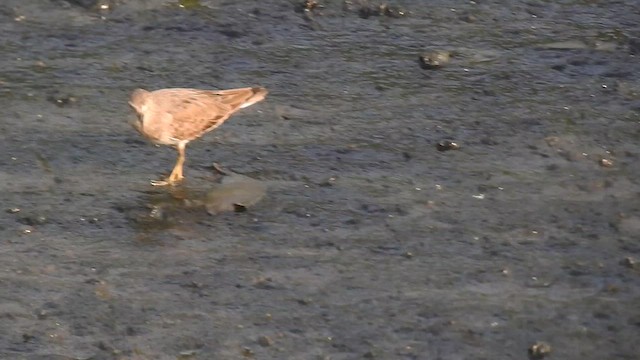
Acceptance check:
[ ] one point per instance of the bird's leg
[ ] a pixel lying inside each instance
(176, 174)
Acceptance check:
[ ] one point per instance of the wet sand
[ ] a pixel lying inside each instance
(371, 242)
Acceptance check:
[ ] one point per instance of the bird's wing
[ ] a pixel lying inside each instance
(195, 112)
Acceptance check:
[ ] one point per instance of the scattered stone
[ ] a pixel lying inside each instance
(434, 59)
(27, 338)
(189, 4)
(365, 9)
(446, 145)
(239, 208)
(605, 163)
(265, 341)
(40, 66)
(552, 140)
(629, 262)
(33, 220)
(468, 18)
(330, 181)
(304, 301)
(62, 101)
(247, 352)
(188, 354)
(369, 355)
(308, 5)
(539, 350)
(262, 282)
(229, 31)
(193, 285)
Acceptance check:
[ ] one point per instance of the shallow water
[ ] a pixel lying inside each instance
(370, 243)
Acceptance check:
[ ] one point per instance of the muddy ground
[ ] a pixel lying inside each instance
(370, 242)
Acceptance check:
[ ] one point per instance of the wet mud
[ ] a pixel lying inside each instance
(393, 202)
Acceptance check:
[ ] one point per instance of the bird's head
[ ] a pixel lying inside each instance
(139, 101)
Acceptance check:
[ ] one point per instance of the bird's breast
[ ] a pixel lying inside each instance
(157, 129)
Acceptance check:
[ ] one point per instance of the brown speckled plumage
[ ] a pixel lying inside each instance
(176, 116)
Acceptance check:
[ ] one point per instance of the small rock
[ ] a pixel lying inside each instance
(368, 10)
(13, 210)
(629, 262)
(33, 220)
(247, 352)
(308, 5)
(391, 11)
(265, 341)
(189, 4)
(434, 59)
(26, 230)
(62, 101)
(304, 301)
(539, 350)
(27, 337)
(330, 181)
(188, 354)
(239, 208)
(446, 145)
(262, 282)
(605, 163)
(468, 18)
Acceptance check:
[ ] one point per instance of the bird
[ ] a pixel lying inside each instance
(176, 116)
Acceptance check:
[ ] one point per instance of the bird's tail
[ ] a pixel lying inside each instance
(257, 94)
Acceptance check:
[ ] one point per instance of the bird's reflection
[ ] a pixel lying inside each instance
(167, 208)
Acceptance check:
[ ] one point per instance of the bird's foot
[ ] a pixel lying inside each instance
(159, 182)
(170, 181)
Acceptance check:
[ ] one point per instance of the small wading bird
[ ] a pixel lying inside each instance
(176, 116)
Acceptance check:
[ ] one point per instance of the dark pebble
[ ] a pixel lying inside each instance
(62, 101)
(33, 220)
(368, 10)
(468, 18)
(265, 341)
(539, 350)
(328, 181)
(446, 145)
(629, 262)
(434, 59)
